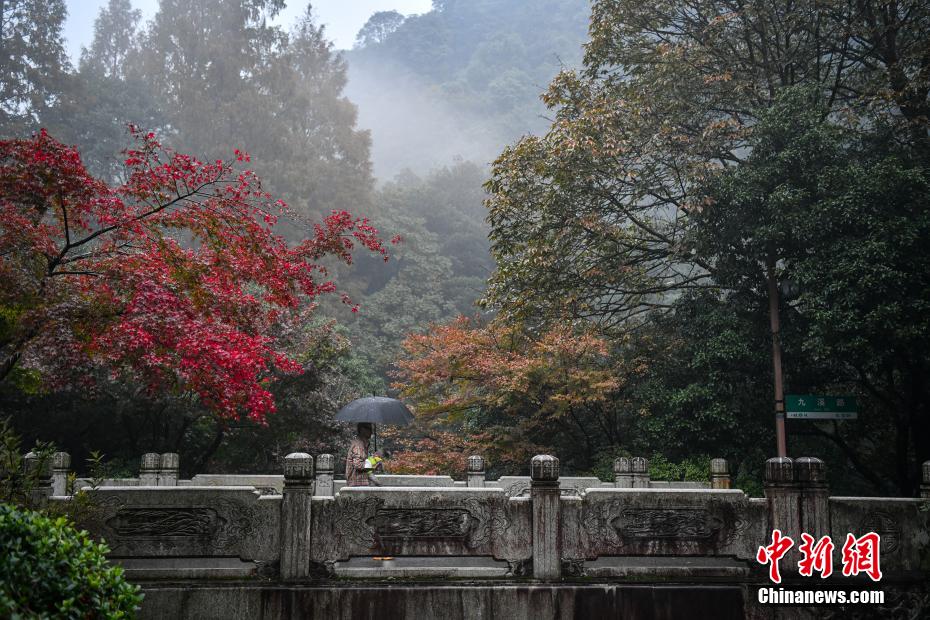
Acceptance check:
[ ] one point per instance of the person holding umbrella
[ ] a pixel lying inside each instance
(357, 473)
(367, 412)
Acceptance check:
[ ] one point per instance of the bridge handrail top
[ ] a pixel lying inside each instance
(667, 490)
(174, 488)
(464, 490)
(860, 498)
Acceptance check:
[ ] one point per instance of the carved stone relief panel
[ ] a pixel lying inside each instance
(616, 525)
(679, 523)
(369, 524)
(220, 527)
(142, 523)
(421, 523)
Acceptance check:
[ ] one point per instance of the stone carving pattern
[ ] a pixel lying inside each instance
(612, 525)
(225, 523)
(730, 535)
(596, 524)
(678, 523)
(489, 523)
(521, 488)
(885, 526)
(421, 522)
(519, 568)
(241, 521)
(475, 522)
(351, 520)
(139, 523)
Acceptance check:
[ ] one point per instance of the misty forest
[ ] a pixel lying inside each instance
(548, 226)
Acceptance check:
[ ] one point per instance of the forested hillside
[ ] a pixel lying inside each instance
(461, 80)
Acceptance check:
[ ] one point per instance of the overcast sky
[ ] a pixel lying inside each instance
(343, 18)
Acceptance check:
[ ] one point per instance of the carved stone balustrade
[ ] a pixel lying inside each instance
(783, 493)
(39, 468)
(544, 525)
(815, 495)
(719, 474)
(61, 464)
(475, 474)
(324, 475)
(169, 467)
(623, 473)
(547, 518)
(296, 516)
(640, 469)
(149, 468)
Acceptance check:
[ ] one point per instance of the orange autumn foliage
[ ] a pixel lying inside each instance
(500, 391)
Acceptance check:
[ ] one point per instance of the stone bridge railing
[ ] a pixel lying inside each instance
(305, 525)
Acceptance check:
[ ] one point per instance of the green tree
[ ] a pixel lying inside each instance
(227, 78)
(438, 269)
(844, 216)
(378, 27)
(33, 63)
(616, 216)
(593, 217)
(321, 160)
(115, 31)
(107, 93)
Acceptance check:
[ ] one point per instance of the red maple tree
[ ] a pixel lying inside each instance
(175, 276)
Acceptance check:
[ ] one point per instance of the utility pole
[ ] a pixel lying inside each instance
(776, 358)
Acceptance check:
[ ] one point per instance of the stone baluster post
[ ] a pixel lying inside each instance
(547, 518)
(925, 480)
(815, 496)
(41, 470)
(61, 463)
(169, 466)
(719, 474)
(640, 469)
(296, 520)
(148, 469)
(475, 473)
(325, 464)
(784, 498)
(623, 473)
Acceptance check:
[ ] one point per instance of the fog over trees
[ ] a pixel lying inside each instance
(462, 80)
(586, 198)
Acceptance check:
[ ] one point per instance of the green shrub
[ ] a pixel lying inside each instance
(17, 482)
(694, 469)
(50, 570)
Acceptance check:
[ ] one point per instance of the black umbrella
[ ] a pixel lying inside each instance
(376, 410)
